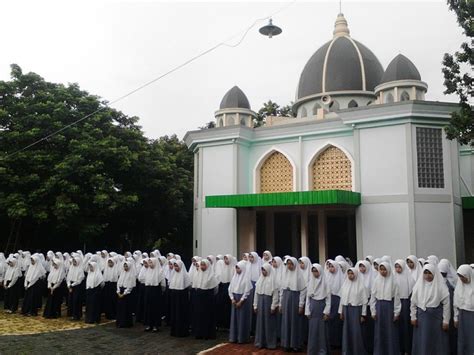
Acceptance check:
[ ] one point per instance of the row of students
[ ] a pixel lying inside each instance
(377, 306)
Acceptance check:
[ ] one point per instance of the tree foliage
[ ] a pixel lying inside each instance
(271, 108)
(457, 71)
(99, 182)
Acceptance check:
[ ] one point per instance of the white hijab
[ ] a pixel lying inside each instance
(154, 275)
(404, 280)
(35, 272)
(464, 293)
(94, 277)
(336, 279)
(417, 271)
(180, 279)
(385, 288)
(266, 285)
(318, 288)
(194, 270)
(127, 278)
(240, 283)
(447, 268)
(293, 279)
(58, 273)
(13, 270)
(255, 267)
(205, 280)
(307, 268)
(369, 275)
(429, 294)
(76, 272)
(267, 255)
(279, 270)
(224, 272)
(111, 273)
(354, 292)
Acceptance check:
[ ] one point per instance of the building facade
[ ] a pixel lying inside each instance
(364, 167)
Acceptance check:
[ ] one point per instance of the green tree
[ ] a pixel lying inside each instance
(457, 71)
(271, 108)
(99, 182)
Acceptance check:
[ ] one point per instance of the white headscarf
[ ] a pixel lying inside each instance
(404, 280)
(205, 280)
(266, 285)
(429, 294)
(76, 272)
(57, 274)
(385, 288)
(464, 293)
(13, 271)
(193, 269)
(447, 268)
(180, 279)
(318, 287)
(293, 279)
(240, 283)
(127, 279)
(433, 259)
(279, 270)
(336, 279)
(307, 268)
(354, 292)
(369, 275)
(417, 271)
(111, 273)
(267, 254)
(154, 275)
(224, 272)
(35, 272)
(255, 267)
(94, 277)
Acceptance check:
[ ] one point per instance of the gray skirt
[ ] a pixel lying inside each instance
(266, 327)
(318, 338)
(429, 337)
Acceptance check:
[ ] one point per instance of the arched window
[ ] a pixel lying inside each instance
(353, 103)
(332, 170)
(230, 120)
(304, 113)
(333, 106)
(242, 121)
(220, 123)
(389, 98)
(316, 107)
(276, 174)
(405, 96)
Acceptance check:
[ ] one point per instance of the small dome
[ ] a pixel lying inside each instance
(342, 64)
(234, 98)
(400, 68)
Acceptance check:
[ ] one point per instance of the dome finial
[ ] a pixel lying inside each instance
(340, 27)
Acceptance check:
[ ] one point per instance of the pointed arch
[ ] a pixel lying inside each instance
(389, 98)
(331, 168)
(334, 106)
(220, 123)
(353, 103)
(304, 112)
(405, 96)
(275, 171)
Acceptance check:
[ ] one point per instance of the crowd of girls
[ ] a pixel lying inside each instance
(377, 306)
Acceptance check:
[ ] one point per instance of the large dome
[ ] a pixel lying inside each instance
(340, 65)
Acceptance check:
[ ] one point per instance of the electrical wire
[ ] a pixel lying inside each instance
(223, 43)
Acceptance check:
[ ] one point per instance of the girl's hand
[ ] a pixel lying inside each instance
(456, 323)
(414, 323)
(362, 319)
(445, 327)
(325, 317)
(301, 310)
(396, 318)
(374, 316)
(341, 316)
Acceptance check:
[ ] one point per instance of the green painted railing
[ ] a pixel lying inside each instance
(324, 197)
(468, 203)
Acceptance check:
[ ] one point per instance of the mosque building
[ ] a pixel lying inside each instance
(364, 168)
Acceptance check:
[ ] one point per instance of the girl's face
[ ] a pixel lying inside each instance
(151, 264)
(176, 268)
(315, 272)
(244, 257)
(238, 270)
(203, 266)
(410, 264)
(428, 276)
(91, 268)
(362, 268)
(226, 260)
(145, 264)
(125, 267)
(302, 265)
(171, 266)
(33, 261)
(266, 257)
(251, 258)
(376, 266)
(398, 268)
(56, 266)
(10, 263)
(274, 264)
(383, 271)
(350, 275)
(331, 268)
(464, 279)
(264, 272)
(110, 263)
(290, 265)
(209, 260)
(74, 262)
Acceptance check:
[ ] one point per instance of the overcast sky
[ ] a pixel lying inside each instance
(112, 47)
